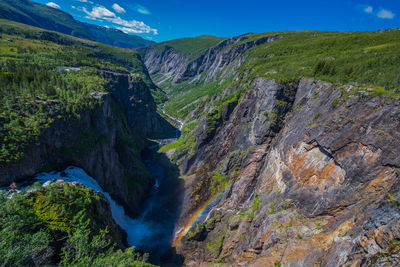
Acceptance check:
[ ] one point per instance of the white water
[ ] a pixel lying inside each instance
(136, 230)
(180, 123)
(152, 231)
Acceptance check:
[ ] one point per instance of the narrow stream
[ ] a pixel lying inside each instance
(152, 231)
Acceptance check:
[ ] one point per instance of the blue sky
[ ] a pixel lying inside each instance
(161, 20)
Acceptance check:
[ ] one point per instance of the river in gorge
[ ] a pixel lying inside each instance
(153, 230)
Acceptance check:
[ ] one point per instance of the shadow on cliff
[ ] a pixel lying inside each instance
(160, 211)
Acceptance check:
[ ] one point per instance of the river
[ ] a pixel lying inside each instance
(152, 231)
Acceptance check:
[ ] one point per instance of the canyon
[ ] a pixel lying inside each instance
(294, 173)
(240, 166)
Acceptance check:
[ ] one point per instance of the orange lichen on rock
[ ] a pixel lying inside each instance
(312, 167)
(385, 177)
(325, 240)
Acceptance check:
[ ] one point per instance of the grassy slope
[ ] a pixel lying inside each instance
(39, 15)
(34, 92)
(35, 14)
(367, 58)
(194, 45)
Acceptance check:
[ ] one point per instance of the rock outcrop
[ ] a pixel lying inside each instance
(135, 99)
(177, 67)
(105, 141)
(299, 173)
(101, 142)
(307, 173)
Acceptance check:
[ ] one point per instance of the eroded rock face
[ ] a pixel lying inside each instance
(317, 186)
(134, 98)
(105, 141)
(178, 67)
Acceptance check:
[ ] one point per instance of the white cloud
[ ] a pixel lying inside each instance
(137, 30)
(118, 8)
(142, 10)
(127, 26)
(100, 12)
(53, 5)
(385, 14)
(368, 9)
(382, 13)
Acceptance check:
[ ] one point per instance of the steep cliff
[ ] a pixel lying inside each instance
(106, 141)
(176, 67)
(67, 101)
(100, 141)
(317, 186)
(137, 103)
(286, 171)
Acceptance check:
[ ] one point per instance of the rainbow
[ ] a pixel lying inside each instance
(196, 215)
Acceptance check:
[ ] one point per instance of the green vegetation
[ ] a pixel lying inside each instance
(369, 58)
(59, 224)
(250, 213)
(272, 118)
(35, 14)
(39, 15)
(185, 101)
(194, 45)
(394, 199)
(218, 182)
(36, 86)
(186, 141)
(366, 59)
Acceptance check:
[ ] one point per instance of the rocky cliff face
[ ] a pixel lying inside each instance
(136, 102)
(106, 141)
(301, 173)
(296, 174)
(175, 67)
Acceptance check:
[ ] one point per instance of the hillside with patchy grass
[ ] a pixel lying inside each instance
(359, 58)
(193, 46)
(288, 148)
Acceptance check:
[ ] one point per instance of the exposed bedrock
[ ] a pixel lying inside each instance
(179, 67)
(310, 172)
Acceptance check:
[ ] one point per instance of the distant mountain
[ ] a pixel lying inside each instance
(114, 37)
(35, 14)
(191, 45)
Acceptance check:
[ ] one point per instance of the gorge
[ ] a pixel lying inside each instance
(273, 149)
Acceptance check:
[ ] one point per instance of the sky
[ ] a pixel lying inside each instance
(161, 20)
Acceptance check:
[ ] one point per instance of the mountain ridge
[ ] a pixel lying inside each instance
(42, 16)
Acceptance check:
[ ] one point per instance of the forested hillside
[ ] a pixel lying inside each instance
(47, 76)
(65, 101)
